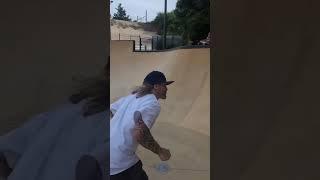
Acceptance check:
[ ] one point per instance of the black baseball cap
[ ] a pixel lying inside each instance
(156, 77)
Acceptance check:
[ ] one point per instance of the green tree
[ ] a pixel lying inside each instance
(190, 19)
(173, 27)
(194, 18)
(121, 14)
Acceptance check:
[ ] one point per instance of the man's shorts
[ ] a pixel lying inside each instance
(133, 173)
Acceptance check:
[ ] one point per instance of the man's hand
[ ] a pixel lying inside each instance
(164, 154)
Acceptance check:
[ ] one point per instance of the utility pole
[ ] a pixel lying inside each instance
(146, 16)
(165, 25)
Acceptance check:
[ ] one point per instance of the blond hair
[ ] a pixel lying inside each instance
(143, 90)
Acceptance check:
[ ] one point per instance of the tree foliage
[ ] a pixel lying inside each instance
(173, 27)
(190, 19)
(121, 14)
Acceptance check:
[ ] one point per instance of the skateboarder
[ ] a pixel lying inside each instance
(132, 118)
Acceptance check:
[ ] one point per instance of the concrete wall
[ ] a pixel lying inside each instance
(43, 44)
(187, 103)
(266, 74)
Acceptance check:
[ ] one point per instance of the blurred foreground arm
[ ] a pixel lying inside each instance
(16, 142)
(144, 137)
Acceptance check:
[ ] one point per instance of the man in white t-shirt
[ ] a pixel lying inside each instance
(132, 117)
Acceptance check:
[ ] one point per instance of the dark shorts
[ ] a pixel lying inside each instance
(88, 168)
(133, 173)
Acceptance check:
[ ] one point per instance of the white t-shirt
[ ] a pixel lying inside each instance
(122, 144)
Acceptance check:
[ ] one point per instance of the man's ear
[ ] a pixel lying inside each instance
(156, 86)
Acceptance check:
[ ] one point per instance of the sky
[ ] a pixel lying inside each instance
(136, 8)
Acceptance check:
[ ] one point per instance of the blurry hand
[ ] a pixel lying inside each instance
(164, 154)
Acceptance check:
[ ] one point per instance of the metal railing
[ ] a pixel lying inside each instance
(150, 43)
(142, 43)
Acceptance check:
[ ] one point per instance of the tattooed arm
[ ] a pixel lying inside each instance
(144, 137)
(143, 134)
